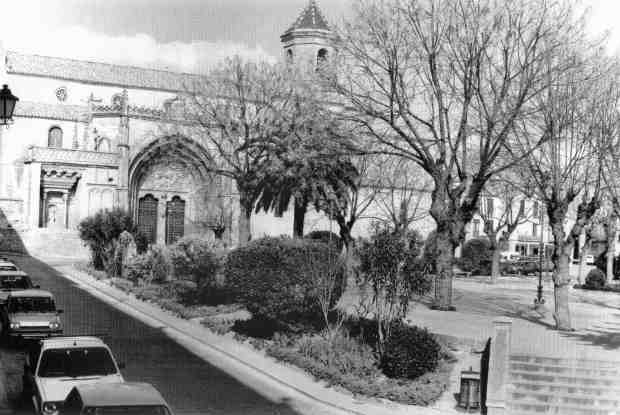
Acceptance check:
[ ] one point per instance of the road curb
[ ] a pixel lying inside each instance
(183, 338)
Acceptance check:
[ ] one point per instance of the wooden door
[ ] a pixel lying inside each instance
(175, 219)
(147, 217)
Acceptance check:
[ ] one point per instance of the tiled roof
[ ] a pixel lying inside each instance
(31, 109)
(98, 73)
(310, 18)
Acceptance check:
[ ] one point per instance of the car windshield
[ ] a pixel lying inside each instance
(127, 410)
(31, 305)
(15, 282)
(8, 268)
(74, 362)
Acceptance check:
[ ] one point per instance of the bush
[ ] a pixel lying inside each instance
(273, 278)
(161, 265)
(409, 352)
(153, 266)
(476, 256)
(257, 327)
(345, 362)
(101, 231)
(195, 259)
(185, 291)
(595, 280)
(325, 237)
(601, 263)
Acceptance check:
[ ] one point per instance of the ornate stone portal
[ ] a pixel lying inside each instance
(58, 185)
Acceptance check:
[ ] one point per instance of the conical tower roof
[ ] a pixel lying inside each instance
(311, 17)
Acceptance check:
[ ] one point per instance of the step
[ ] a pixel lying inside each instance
(517, 375)
(533, 407)
(567, 370)
(552, 361)
(565, 399)
(533, 386)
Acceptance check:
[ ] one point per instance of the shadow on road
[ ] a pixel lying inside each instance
(188, 383)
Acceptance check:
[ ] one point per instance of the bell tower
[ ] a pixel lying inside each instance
(309, 40)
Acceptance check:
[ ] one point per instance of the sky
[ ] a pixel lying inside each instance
(181, 35)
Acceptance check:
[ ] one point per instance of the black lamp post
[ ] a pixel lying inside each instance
(7, 105)
(539, 301)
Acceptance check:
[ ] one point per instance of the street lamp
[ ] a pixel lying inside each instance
(539, 301)
(7, 105)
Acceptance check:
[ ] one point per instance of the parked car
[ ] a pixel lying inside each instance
(7, 266)
(129, 398)
(590, 259)
(30, 314)
(508, 256)
(13, 280)
(57, 364)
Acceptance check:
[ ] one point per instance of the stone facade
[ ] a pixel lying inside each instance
(88, 136)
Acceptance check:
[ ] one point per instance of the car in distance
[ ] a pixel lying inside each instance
(57, 364)
(30, 314)
(12, 281)
(7, 266)
(129, 398)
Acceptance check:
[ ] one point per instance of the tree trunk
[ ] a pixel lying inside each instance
(299, 217)
(443, 266)
(495, 266)
(582, 265)
(561, 277)
(245, 229)
(611, 247)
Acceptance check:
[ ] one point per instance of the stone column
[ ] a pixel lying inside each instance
(44, 210)
(122, 187)
(65, 202)
(498, 367)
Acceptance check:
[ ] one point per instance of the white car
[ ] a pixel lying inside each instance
(507, 256)
(590, 259)
(58, 364)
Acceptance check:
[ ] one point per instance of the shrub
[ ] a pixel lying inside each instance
(476, 256)
(195, 259)
(153, 266)
(101, 231)
(409, 352)
(185, 291)
(326, 237)
(272, 278)
(161, 265)
(601, 263)
(595, 280)
(347, 363)
(390, 268)
(258, 327)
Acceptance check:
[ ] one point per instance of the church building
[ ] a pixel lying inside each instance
(90, 135)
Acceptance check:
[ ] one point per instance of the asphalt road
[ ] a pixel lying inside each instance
(190, 385)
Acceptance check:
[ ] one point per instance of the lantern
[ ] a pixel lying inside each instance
(469, 398)
(7, 105)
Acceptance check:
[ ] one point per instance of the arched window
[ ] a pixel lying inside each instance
(321, 57)
(54, 137)
(102, 144)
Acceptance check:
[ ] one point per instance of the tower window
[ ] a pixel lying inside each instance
(289, 56)
(54, 137)
(321, 57)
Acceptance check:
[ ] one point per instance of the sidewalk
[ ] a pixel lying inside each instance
(272, 379)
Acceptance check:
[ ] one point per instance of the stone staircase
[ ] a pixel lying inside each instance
(54, 243)
(545, 385)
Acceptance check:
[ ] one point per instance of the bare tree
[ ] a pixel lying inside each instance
(240, 110)
(402, 193)
(501, 221)
(442, 83)
(568, 169)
